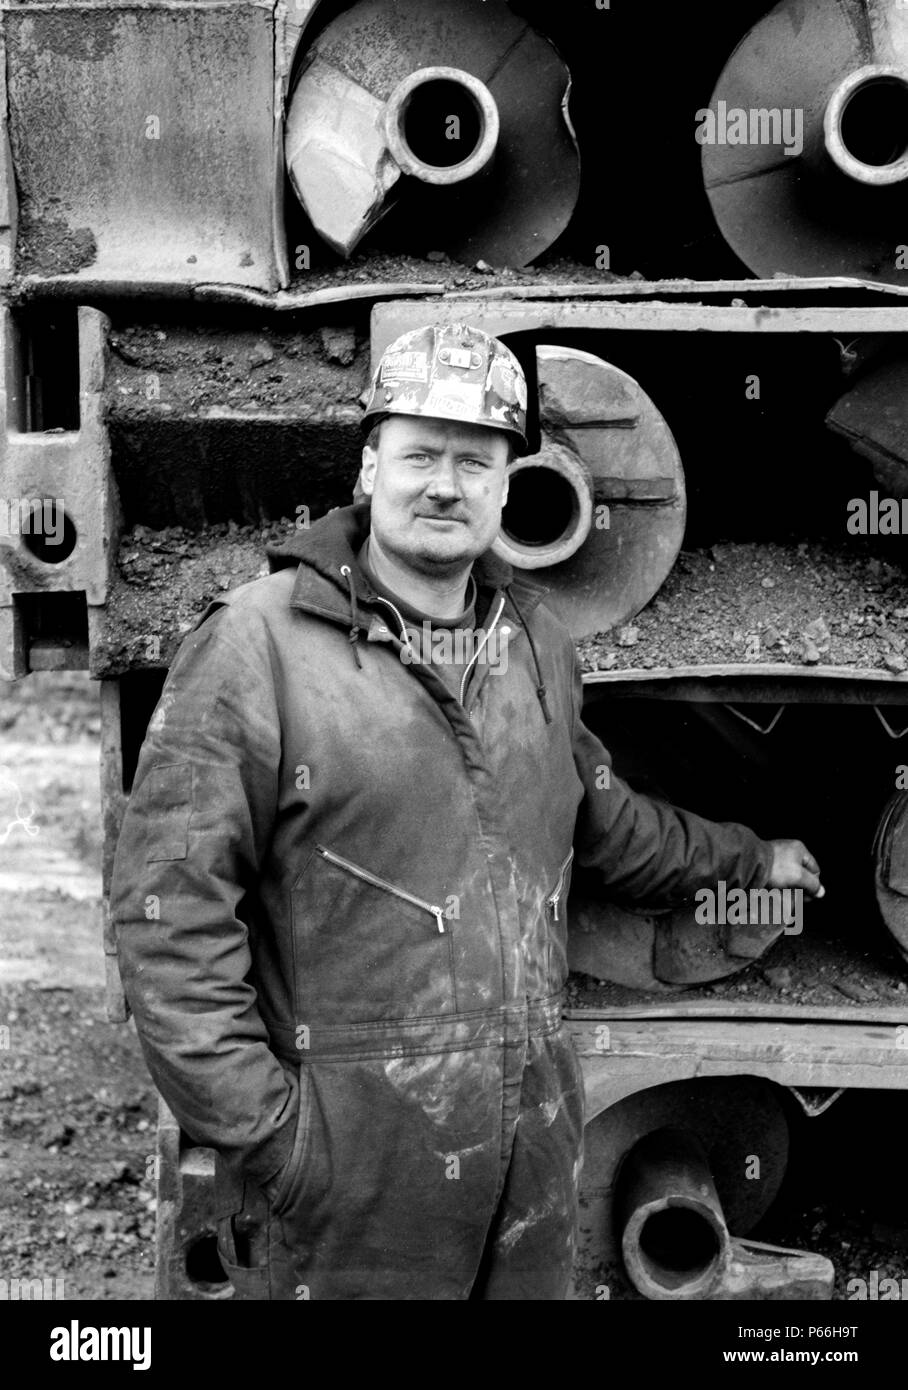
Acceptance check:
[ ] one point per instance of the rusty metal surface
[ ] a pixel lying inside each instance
(656, 952)
(816, 211)
(743, 1009)
(625, 1055)
(9, 206)
(818, 1100)
(292, 18)
(500, 316)
(731, 1117)
(890, 861)
(293, 301)
(635, 512)
(770, 1272)
(72, 466)
(113, 804)
(186, 1219)
(773, 291)
(764, 683)
(338, 152)
(873, 417)
(674, 1239)
(612, 943)
(688, 952)
(146, 144)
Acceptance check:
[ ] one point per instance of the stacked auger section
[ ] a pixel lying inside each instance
(692, 231)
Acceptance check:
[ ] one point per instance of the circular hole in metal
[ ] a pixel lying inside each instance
(442, 123)
(677, 1247)
(51, 535)
(874, 122)
(203, 1264)
(542, 507)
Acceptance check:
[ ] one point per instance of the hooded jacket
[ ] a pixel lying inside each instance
(339, 897)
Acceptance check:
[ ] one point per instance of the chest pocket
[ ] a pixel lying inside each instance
(366, 949)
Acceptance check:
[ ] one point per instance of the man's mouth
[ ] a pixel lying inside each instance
(427, 516)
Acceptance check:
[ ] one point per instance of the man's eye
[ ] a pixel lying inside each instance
(417, 458)
(475, 463)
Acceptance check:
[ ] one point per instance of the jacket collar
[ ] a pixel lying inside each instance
(333, 542)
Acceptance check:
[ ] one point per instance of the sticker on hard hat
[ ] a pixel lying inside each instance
(460, 357)
(458, 399)
(506, 380)
(405, 366)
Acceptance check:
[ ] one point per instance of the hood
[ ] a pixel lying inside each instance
(334, 541)
(330, 583)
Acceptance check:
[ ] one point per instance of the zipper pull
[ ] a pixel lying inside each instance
(439, 917)
(553, 904)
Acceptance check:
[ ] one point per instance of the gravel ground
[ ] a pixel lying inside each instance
(78, 1126)
(196, 370)
(165, 579)
(77, 1109)
(804, 604)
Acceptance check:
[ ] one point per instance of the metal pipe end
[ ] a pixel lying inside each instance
(675, 1248)
(441, 125)
(865, 126)
(549, 511)
(675, 1241)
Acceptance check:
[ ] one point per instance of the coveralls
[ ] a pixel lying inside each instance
(339, 899)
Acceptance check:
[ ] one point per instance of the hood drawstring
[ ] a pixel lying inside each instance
(541, 692)
(354, 614)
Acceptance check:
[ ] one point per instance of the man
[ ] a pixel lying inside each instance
(339, 885)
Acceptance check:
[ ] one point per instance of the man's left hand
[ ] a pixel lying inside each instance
(793, 866)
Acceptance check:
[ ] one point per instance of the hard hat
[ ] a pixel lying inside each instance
(453, 372)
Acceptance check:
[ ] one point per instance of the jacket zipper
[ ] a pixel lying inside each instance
(404, 634)
(555, 899)
(377, 882)
(476, 655)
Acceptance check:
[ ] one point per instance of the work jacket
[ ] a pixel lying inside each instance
(339, 895)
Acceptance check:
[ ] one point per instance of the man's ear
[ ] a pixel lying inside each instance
(367, 472)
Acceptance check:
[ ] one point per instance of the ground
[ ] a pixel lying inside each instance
(77, 1107)
(798, 604)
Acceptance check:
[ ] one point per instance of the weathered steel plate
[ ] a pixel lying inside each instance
(612, 427)
(342, 170)
(785, 209)
(890, 856)
(734, 1118)
(145, 142)
(873, 417)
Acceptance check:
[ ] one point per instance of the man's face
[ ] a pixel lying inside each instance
(437, 490)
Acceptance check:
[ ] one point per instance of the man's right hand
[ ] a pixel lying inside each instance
(793, 866)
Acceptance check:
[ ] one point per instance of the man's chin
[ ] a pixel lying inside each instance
(445, 555)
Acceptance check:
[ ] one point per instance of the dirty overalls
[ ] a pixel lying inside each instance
(349, 980)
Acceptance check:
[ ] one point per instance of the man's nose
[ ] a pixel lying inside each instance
(445, 482)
